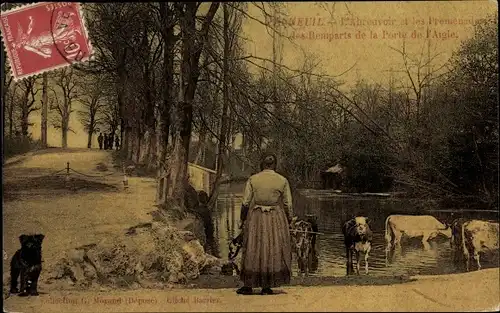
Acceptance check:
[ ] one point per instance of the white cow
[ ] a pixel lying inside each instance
(413, 226)
(478, 236)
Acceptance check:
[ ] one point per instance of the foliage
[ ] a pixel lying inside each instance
(176, 81)
(15, 146)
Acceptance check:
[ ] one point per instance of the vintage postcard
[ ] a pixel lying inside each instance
(250, 156)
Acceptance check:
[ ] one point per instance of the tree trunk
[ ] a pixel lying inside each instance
(24, 114)
(120, 95)
(4, 81)
(6, 91)
(24, 124)
(11, 119)
(190, 53)
(137, 154)
(44, 114)
(89, 139)
(129, 142)
(243, 151)
(184, 109)
(122, 132)
(163, 110)
(127, 139)
(202, 138)
(144, 148)
(151, 151)
(91, 129)
(225, 107)
(177, 173)
(64, 135)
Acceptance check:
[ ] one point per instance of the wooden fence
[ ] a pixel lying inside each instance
(201, 178)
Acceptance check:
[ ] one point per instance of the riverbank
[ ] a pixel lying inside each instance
(474, 291)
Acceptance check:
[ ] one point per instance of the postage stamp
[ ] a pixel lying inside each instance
(44, 36)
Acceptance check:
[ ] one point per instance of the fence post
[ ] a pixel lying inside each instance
(125, 178)
(67, 175)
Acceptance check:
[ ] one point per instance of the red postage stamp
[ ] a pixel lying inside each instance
(44, 36)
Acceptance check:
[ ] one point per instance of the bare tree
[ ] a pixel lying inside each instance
(12, 105)
(110, 114)
(28, 103)
(7, 79)
(45, 107)
(224, 121)
(166, 23)
(62, 105)
(192, 47)
(420, 76)
(92, 101)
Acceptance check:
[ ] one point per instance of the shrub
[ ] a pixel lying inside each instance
(19, 145)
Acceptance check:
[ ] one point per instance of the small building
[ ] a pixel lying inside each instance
(332, 177)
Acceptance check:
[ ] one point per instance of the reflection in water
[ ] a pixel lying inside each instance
(412, 258)
(227, 210)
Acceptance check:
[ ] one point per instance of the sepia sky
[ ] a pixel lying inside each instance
(341, 35)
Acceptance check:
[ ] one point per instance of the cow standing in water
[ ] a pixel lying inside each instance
(413, 226)
(478, 237)
(303, 239)
(357, 239)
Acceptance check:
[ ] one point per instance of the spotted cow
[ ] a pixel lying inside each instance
(357, 239)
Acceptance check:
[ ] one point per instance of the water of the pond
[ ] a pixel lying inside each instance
(412, 259)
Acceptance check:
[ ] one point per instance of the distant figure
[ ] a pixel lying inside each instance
(117, 143)
(110, 138)
(106, 141)
(100, 139)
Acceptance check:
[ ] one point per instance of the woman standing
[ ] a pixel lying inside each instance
(266, 213)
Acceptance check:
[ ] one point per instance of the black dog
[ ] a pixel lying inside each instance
(235, 246)
(229, 268)
(27, 263)
(234, 249)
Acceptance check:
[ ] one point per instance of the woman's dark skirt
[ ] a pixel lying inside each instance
(266, 251)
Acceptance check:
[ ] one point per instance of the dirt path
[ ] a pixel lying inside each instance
(70, 218)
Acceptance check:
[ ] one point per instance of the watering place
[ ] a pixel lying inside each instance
(332, 209)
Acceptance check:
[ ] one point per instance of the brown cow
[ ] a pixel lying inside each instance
(302, 242)
(478, 236)
(413, 226)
